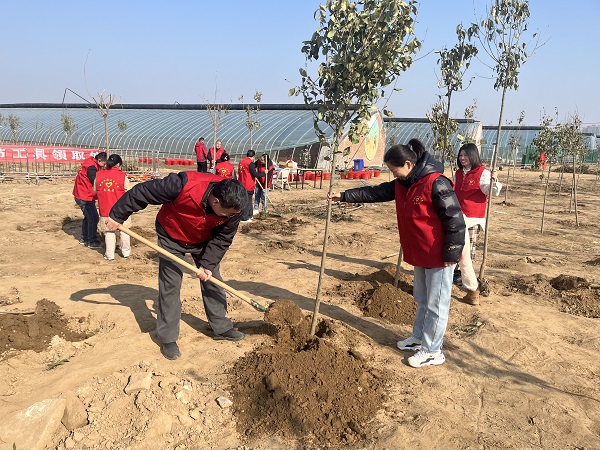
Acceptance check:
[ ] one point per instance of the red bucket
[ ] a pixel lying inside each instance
(365, 175)
(376, 173)
(309, 176)
(326, 175)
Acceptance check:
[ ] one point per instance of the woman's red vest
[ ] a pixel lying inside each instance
(110, 187)
(468, 191)
(244, 174)
(224, 169)
(260, 167)
(83, 189)
(185, 219)
(421, 231)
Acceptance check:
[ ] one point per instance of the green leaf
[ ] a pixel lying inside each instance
(291, 92)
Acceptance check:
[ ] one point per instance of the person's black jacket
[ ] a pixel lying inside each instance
(442, 195)
(256, 174)
(165, 190)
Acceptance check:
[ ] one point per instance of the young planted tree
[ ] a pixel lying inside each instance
(547, 142)
(502, 35)
(215, 112)
(104, 103)
(453, 63)
(251, 119)
(14, 123)
(69, 126)
(361, 47)
(571, 140)
(442, 127)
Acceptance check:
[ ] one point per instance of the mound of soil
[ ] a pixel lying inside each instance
(35, 331)
(389, 303)
(305, 387)
(570, 294)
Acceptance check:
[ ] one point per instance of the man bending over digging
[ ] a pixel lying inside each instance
(200, 214)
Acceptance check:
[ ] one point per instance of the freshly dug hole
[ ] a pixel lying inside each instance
(305, 387)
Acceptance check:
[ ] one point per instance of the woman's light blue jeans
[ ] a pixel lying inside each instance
(432, 291)
(260, 198)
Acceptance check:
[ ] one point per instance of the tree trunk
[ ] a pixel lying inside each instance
(545, 197)
(562, 171)
(105, 116)
(491, 193)
(575, 194)
(313, 325)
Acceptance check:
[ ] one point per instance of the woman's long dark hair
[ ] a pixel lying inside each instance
(113, 160)
(472, 153)
(397, 155)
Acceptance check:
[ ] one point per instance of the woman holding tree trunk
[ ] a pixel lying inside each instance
(472, 186)
(432, 236)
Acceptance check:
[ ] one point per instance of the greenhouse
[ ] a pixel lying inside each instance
(170, 131)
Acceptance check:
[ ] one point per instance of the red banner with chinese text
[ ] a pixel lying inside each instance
(42, 153)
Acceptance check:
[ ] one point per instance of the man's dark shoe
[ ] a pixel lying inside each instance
(230, 335)
(94, 245)
(170, 350)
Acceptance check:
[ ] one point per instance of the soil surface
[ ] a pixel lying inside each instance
(521, 369)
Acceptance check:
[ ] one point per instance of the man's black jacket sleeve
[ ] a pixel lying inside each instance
(153, 192)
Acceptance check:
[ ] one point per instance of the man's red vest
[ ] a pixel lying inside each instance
(185, 219)
(244, 174)
(110, 187)
(468, 191)
(201, 151)
(83, 189)
(420, 227)
(224, 169)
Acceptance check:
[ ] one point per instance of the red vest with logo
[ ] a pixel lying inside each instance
(224, 169)
(110, 187)
(468, 191)
(420, 227)
(83, 189)
(260, 167)
(244, 174)
(185, 219)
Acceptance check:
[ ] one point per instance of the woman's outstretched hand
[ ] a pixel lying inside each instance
(334, 196)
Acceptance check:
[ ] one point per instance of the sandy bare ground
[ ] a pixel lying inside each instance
(522, 369)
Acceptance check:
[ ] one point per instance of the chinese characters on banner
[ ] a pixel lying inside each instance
(48, 154)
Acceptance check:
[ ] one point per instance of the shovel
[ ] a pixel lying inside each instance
(194, 269)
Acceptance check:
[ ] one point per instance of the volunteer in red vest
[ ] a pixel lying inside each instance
(200, 215)
(215, 153)
(224, 168)
(110, 185)
(85, 197)
(259, 169)
(472, 188)
(247, 179)
(201, 155)
(432, 235)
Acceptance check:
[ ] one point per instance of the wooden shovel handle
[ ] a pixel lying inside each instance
(194, 269)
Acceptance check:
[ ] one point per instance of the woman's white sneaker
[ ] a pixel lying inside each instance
(409, 344)
(425, 358)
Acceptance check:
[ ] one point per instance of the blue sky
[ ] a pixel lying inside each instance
(192, 51)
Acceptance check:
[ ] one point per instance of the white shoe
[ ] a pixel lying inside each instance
(246, 221)
(425, 358)
(255, 212)
(409, 344)
(108, 259)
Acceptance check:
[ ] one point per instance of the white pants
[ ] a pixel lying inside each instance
(465, 265)
(110, 240)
